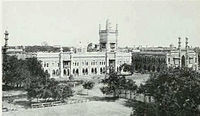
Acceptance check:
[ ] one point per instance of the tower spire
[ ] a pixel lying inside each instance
(186, 47)
(6, 38)
(107, 24)
(99, 27)
(179, 48)
(6, 42)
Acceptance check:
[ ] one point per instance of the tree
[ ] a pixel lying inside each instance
(144, 109)
(21, 73)
(122, 84)
(60, 91)
(37, 83)
(131, 86)
(14, 72)
(176, 92)
(88, 85)
(35, 68)
(113, 83)
(9, 69)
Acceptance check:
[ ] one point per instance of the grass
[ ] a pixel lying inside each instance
(93, 108)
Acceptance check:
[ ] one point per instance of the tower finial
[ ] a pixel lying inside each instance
(107, 24)
(186, 42)
(186, 47)
(61, 49)
(179, 52)
(179, 43)
(99, 27)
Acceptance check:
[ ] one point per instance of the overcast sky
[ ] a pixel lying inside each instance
(67, 23)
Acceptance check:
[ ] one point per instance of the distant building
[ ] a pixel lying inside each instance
(18, 51)
(92, 47)
(158, 58)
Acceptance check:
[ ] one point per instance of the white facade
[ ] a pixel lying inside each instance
(64, 64)
(186, 59)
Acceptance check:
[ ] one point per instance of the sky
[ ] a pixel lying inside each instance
(67, 23)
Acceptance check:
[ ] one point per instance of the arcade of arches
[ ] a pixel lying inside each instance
(76, 72)
(149, 63)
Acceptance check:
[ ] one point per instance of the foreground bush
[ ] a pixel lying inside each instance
(176, 92)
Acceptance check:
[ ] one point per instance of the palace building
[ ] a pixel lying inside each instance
(156, 59)
(64, 64)
(99, 58)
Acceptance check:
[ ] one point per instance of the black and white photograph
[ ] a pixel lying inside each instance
(100, 58)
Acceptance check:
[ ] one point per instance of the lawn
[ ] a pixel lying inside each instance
(92, 108)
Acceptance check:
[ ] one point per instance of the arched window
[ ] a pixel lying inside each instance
(73, 71)
(153, 69)
(149, 68)
(57, 72)
(92, 71)
(101, 70)
(104, 70)
(64, 72)
(68, 72)
(86, 71)
(183, 61)
(53, 72)
(95, 70)
(77, 72)
(136, 67)
(83, 71)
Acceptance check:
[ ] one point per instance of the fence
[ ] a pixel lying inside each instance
(131, 95)
(50, 104)
(14, 97)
